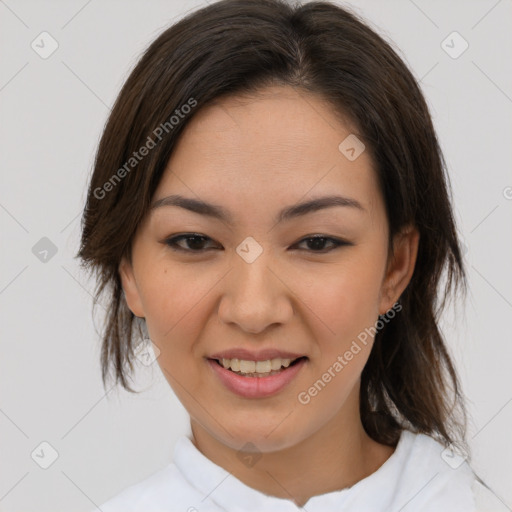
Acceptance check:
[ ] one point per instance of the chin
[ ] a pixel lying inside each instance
(262, 438)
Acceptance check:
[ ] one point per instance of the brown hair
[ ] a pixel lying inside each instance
(239, 46)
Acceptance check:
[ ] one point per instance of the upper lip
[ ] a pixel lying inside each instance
(260, 355)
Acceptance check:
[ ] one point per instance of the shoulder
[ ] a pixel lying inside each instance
(431, 476)
(485, 499)
(157, 493)
(447, 475)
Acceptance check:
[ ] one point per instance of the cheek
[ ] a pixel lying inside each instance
(175, 319)
(344, 298)
(172, 299)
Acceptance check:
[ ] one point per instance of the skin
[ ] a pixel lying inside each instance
(254, 155)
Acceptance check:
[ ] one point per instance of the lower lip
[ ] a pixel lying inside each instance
(256, 387)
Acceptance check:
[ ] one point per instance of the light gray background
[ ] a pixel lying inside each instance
(52, 113)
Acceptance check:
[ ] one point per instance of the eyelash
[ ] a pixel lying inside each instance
(172, 242)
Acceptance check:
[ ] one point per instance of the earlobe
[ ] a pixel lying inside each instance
(130, 288)
(400, 268)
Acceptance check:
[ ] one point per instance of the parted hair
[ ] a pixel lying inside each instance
(241, 46)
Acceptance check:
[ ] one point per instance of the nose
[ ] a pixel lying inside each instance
(255, 297)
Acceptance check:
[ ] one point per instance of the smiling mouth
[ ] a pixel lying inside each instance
(260, 369)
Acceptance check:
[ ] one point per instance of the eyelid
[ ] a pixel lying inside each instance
(172, 241)
(183, 236)
(338, 242)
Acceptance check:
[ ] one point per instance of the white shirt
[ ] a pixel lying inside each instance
(414, 479)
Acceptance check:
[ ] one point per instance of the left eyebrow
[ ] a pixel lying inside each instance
(288, 213)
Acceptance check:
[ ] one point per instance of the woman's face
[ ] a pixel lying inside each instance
(254, 280)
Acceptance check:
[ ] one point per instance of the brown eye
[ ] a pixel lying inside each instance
(192, 242)
(196, 242)
(317, 243)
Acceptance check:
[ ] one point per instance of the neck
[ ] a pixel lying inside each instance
(336, 456)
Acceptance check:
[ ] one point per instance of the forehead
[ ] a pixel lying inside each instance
(277, 146)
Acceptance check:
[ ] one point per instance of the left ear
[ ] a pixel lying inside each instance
(400, 267)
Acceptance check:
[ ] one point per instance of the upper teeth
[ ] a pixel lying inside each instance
(241, 365)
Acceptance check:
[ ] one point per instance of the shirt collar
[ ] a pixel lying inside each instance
(227, 492)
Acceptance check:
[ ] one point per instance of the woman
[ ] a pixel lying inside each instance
(269, 202)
